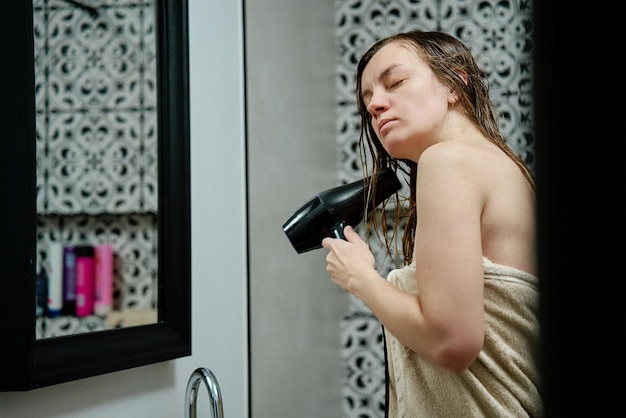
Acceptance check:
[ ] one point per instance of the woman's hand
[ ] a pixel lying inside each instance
(349, 262)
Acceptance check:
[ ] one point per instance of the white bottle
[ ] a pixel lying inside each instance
(55, 278)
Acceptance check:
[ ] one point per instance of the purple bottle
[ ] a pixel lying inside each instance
(69, 281)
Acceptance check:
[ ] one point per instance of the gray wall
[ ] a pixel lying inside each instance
(295, 309)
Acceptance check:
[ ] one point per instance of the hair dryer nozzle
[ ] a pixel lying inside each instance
(326, 214)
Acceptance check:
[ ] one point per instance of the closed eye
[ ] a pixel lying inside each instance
(397, 83)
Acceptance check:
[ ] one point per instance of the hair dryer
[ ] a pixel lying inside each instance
(331, 210)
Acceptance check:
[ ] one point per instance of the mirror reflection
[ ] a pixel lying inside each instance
(96, 163)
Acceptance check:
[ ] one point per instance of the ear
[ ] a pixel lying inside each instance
(453, 97)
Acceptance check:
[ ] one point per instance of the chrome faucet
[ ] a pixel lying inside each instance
(191, 394)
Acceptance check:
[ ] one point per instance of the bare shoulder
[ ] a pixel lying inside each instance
(447, 151)
(459, 159)
(481, 161)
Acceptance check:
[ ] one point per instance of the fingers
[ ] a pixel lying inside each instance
(350, 234)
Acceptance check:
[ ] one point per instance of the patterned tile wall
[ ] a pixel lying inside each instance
(499, 33)
(96, 142)
(96, 107)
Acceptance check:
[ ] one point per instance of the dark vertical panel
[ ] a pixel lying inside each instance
(579, 113)
(17, 188)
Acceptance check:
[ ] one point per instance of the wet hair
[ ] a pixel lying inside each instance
(448, 58)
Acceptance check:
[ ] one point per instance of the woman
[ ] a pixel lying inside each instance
(460, 318)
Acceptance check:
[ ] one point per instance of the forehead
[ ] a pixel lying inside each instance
(389, 57)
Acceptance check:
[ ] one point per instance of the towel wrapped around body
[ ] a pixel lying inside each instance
(502, 382)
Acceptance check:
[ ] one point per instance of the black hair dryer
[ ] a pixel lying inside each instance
(331, 210)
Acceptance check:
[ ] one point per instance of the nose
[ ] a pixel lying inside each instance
(378, 103)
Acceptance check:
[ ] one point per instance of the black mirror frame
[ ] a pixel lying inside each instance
(27, 363)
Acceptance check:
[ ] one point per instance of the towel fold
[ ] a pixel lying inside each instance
(502, 382)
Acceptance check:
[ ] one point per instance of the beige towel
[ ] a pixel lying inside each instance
(504, 379)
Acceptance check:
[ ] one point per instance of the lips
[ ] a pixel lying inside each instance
(383, 123)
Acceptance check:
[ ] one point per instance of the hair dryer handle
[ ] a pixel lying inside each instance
(336, 230)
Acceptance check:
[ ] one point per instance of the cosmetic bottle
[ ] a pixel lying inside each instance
(103, 279)
(55, 279)
(69, 280)
(85, 270)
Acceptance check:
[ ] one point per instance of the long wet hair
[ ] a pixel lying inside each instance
(447, 57)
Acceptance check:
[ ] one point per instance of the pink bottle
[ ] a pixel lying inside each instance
(103, 279)
(85, 271)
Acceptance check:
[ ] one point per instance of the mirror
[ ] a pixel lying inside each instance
(95, 155)
(96, 160)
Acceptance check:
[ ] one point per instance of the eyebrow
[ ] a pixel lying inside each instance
(383, 75)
